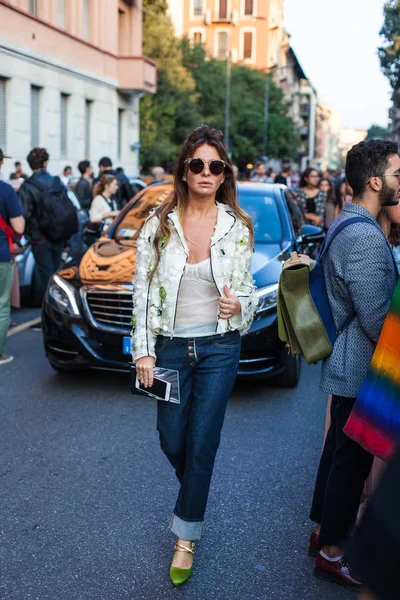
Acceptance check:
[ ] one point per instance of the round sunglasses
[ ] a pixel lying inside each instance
(196, 165)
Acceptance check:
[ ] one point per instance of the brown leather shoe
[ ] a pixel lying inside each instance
(336, 571)
(314, 546)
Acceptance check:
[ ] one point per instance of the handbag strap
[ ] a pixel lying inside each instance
(10, 234)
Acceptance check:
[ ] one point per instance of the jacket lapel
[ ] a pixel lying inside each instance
(225, 221)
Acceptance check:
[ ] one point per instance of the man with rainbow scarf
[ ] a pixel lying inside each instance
(360, 277)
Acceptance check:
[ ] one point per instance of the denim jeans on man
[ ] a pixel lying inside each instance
(48, 259)
(6, 279)
(190, 431)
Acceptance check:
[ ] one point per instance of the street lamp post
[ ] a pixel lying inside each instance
(228, 91)
(266, 108)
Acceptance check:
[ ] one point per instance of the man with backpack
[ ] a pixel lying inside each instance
(11, 227)
(50, 216)
(360, 277)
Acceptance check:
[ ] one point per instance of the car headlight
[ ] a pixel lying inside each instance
(267, 297)
(63, 295)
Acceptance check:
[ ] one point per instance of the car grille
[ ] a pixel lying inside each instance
(110, 309)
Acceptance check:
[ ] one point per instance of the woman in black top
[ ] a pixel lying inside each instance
(311, 199)
(332, 207)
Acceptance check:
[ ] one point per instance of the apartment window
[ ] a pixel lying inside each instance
(32, 7)
(223, 9)
(222, 51)
(35, 116)
(248, 7)
(197, 37)
(119, 132)
(86, 19)
(247, 45)
(63, 125)
(2, 113)
(61, 13)
(198, 9)
(88, 126)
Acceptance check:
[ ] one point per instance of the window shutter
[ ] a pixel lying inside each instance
(3, 114)
(248, 7)
(197, 37)
(35, 116)
(88, 129)
(222, 44)
(198, 8)
(223, 9)
(63, 125)
(119, 132)
(247, 45)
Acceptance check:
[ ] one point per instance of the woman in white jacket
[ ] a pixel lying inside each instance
(194, 296)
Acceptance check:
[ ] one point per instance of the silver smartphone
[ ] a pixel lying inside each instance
(160, 389)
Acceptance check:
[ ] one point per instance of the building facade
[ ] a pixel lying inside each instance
(250, 31)
(71, 77)
(348, 138)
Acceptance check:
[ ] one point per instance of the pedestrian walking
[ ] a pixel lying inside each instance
(194, 296)
(18, 173)
(311, 199)
(104, 205)
(360, 277)
(332, 207)
(50, 216)
(124, 192)
(83, 188)
(374, 551)
(260, 175)
(66, 175)
(284, 176)
(158, 175)
(12, 224)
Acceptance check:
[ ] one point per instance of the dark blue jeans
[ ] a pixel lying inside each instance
(190, 432)
(48, 259)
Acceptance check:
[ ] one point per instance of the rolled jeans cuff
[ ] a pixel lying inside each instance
(185, 530)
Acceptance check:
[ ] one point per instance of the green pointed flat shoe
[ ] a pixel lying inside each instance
(177, 575)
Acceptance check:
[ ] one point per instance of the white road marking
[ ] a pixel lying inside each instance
(23, 326)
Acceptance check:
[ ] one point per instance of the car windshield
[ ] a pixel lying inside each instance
(265, 216)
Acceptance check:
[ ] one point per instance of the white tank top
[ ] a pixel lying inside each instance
(197, 307)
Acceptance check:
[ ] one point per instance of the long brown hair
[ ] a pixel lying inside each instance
(226, 193)
(103, 182)
(391, 230)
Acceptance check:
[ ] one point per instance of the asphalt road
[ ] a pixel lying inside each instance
(86, 493)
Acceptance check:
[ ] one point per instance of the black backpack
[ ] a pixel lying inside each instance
(56, 214)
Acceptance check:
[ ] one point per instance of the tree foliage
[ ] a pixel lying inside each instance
(376, 132)
(247, 106)
(389, 53)
(168, 115)
(191, 90)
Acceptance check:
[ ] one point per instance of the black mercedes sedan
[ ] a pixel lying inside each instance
(87, 309)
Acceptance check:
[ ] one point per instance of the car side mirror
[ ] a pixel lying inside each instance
(310, 234)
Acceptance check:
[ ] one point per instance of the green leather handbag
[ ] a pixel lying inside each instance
(299, 323)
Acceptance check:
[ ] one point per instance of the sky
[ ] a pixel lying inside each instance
(336, 44)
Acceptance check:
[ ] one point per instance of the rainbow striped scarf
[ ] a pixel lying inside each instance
(375, 420)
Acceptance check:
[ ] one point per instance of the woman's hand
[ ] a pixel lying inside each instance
(144, 370)
(229, 305)
(316, 219)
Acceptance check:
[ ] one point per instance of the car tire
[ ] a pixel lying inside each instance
(290, 377)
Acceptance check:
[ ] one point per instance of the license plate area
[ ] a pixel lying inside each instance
(127, 345)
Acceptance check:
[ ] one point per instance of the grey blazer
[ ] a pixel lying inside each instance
(360, 278)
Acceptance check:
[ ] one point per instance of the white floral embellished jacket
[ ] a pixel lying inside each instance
(155, 302)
